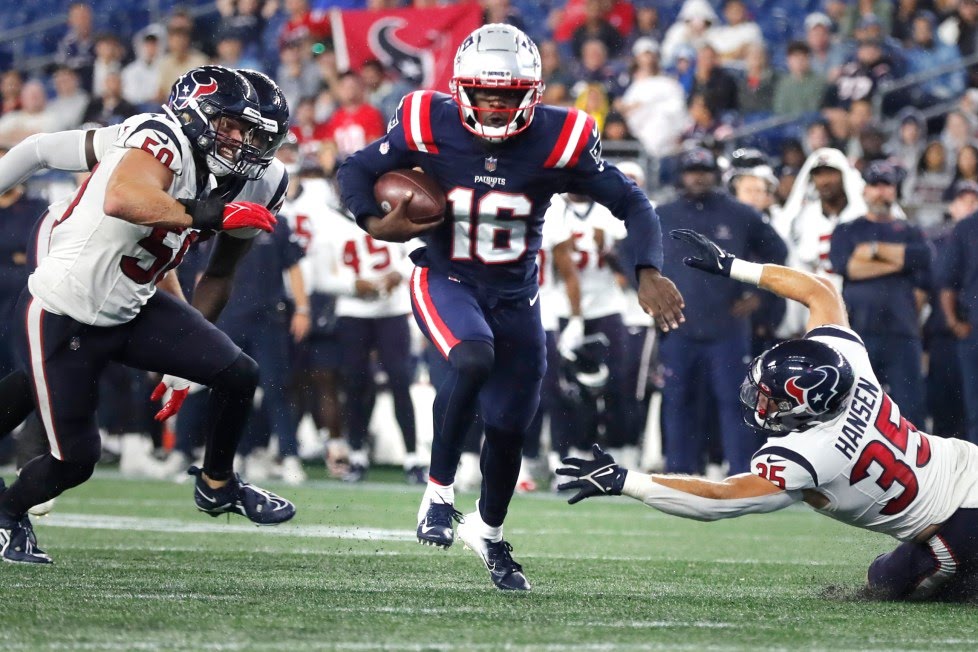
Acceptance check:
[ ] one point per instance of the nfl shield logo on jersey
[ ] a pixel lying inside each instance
(491, 162)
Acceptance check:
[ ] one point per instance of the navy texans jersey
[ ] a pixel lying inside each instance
(497, 193)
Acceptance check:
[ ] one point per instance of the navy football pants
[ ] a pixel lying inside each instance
(943, 568)
(466, 325)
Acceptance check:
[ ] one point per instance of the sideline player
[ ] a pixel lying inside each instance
(92, 298)
(499, 156)
(836, 441)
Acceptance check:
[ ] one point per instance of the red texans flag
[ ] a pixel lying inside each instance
(418, 43)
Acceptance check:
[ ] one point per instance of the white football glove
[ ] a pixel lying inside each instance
(571, 338)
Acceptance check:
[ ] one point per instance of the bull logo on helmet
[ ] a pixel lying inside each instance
(185, 92)
(815, 390)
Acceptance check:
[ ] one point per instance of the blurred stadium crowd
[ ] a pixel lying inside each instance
(777, 92)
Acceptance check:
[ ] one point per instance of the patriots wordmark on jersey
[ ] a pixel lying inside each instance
(876, 470)
(498, 192)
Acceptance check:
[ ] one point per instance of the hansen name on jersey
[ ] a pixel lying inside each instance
(497, 193)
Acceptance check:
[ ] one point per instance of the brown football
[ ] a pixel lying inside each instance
(428, 204)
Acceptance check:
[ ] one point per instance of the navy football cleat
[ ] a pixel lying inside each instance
(18, 545)
(437, 527)
(504, 572)
(258, 505)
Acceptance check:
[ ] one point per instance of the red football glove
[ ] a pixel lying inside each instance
(247, 215)
(179, 390)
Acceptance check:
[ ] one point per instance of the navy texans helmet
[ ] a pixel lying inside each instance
(275, 115)
(803, 382)
(209, 102)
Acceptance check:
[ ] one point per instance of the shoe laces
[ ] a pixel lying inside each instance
(442, 514)
(499, 557)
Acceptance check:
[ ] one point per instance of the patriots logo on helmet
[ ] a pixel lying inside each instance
(816, 390)
(185, 92)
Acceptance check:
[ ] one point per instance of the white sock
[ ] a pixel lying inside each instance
(360, 458)
(440, 493)
(485, 531)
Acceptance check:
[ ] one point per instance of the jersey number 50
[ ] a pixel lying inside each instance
(494, 231)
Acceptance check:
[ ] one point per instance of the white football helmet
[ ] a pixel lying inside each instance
(497, 56)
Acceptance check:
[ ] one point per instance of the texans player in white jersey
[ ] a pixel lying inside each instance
(92, 297)
(836, 441)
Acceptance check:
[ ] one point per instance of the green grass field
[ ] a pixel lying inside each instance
(138, 568)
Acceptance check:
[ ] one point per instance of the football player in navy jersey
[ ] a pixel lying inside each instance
(499, 156)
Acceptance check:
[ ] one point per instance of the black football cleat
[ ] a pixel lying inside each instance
(437, 527)
(258, 505)
(504, 572)
(18, 545)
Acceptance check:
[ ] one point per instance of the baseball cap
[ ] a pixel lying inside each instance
(645, 44)
(817, 18)
(961, 187)
(881, 172)
(697, 159)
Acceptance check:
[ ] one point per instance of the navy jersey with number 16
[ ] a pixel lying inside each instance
(497, 193)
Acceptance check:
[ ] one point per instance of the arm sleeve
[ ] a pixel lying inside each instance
(359, 171)
(679, 503)
(64, 150)
(608, 186)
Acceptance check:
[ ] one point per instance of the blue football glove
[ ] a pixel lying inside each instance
(598, 477)
(711, 258)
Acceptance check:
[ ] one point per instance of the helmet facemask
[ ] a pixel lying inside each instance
(525, 94)
(227, 154)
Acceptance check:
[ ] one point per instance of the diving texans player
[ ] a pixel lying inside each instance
(499, 156)
(835, 441)
(92, 297)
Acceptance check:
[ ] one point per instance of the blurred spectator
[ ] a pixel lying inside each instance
(860, 78)
(714, 83)
(297, 75)
(733, 40)
(555, 74)
(354, 123)
(958, 280)
(903, 19)
(69, 101)
(907, 143)
(683, 68)
(615, 128)
(828, 56)
(961, 29)
(817, 136)
(691, 28)
(141, 78)
(108, 59)
(755, 91)
(792, 153)
(75, 49)
(648, 23)
(384, 92)
(702, 123)
(654, 104)
(109, 108)
(959, 130)
(945, 385)
(872, 140)
(11, 84)
(502, 11)
(716, 337)
(595, 67)
(801, 90)
(593, 100)
(965, 169)
(231, 53)
(242, 19)
(302, 124)
(619, 13)
(31, 118)
(886, 267)
(927, 53)
(836, 12)
(928, 181)
(180, 56)
(303, 24)
(596, 26)
(860, 9)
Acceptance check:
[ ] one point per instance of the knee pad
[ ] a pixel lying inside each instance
(473, 359)
(240, 377)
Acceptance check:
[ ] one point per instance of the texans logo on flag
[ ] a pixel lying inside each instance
(414, 64)
(814, 390)
(186, 92)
